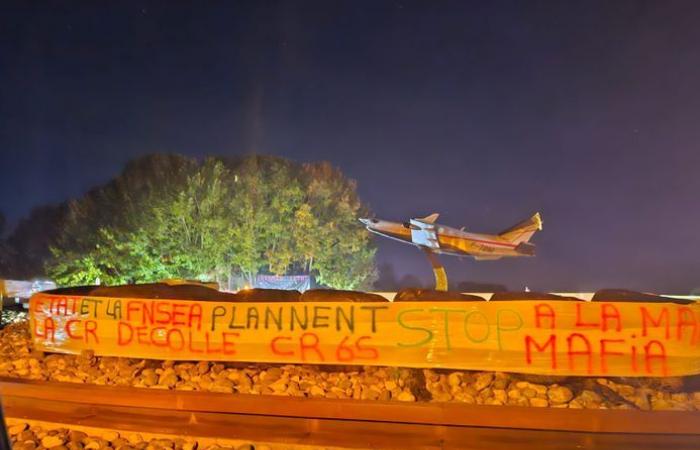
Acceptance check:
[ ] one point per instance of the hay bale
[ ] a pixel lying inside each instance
(332, 295)
(428, 295)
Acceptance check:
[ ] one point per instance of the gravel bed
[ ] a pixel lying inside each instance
(34, 435)
(12, 315)
(19, 360)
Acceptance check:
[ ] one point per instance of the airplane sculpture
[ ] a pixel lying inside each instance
(433, 238)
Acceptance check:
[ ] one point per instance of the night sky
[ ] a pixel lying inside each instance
(482, 111)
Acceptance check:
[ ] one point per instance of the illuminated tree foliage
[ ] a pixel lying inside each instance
(168, 216)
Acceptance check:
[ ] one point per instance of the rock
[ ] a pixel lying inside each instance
(539, 389)
(680, 397)
(26, 445)
(317, 391)
(371, 394)
(109, 435)
(17, 429)
(641, 399)
(76, 436)
(134, 438)
(168, 378)
(500, 395)
(406, 396)
(119, 442)
(588, 399)
(559, 394)
(202, 367)
(149, 377)
(483, 380)
(162, 443)
(454, 379)
(443, 397)
(514, 394)
(500, 380)
(529, 392)
(224, 386)
(26, 435)
(464, 398)
(539, 402)
(660, 404)
(273, 374)
(521, 401)
(244, 384)
(522, 385)
(87, 356)
(52, 441)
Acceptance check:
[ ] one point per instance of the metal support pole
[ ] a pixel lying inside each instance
(438, 271)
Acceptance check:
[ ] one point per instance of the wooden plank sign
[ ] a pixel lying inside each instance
(538, 337)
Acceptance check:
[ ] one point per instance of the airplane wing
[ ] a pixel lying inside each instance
(424, 234)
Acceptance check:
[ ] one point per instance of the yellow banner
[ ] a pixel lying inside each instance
(539, 337)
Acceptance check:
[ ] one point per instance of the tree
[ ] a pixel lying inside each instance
(167, 216)
(344, 256)
(194, 230)
(266, 195)
(28, 246)
(111, 233)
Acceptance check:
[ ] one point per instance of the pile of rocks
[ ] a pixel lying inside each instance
(496, 388)
(17, 359)
(489, 388)
(26, 437)
(9, 316)
(370, 383)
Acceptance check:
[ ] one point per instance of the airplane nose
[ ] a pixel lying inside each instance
(365, 221)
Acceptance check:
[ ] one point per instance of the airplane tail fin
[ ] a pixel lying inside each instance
(522, 232)
(430, 219)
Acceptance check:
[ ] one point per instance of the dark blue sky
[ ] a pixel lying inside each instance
(482, 111)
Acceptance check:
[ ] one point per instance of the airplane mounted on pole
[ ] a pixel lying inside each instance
(433, 238)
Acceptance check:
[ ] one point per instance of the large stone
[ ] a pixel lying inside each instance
(500, 395)
(109, 435)
(168, 378)
(149, 377)
(482, 380)
(52, 441)
(76, 436)
(538, 402)
(406, 396)
(454, 379)
(17, 429)
(26, 435)
(317, 391)
(559, 394)
(223, 386)
(273, 374)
